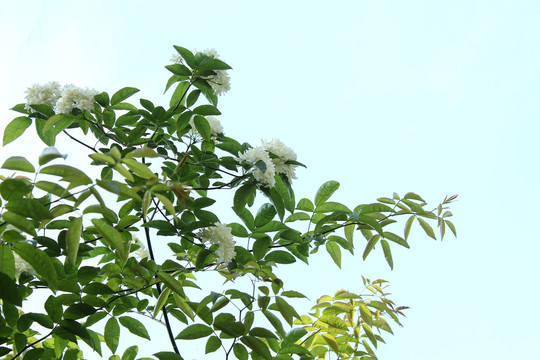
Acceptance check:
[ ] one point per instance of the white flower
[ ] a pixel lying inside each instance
(177, 59)
(75, 98)
(21, 265)
(141, 252)
(221, 235)
(283, 154)
(254, 155)
(47, 94)
(221, 82)
(215, 127)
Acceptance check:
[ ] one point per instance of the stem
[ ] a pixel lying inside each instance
(32, 344)
(158, 287)
(79, 141)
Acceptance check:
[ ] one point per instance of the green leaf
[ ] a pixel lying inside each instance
(61, 121)
(40, 261)
(305, 205)
(9, 292)
(286, 310)
(162, 300)
(334, 251)
(167, 355)
(331, 341)
(387, 253)
(123, 94)
(112, 237)
(7, 261)
(427, 228)
(408, 226)
(53, 309)
(67, 173)
(130, 353)
(134, 326)
(16, 128)
(143, 152)
(261, 165)
(187, 55)
(119, 188)
(265, 214)
(298, 216)
(375, 208)
(294, 349)
(370, 245)
(293, 294)
(262, 332)
(294, 335)
(18, 163)
(138, 168)
(12, 189)
(203, 127)
(195, 331)
(178, 94)
(214, 64)
(368, 220)
(276, 323)
(238, 230)
(31, 208)
(451, 226)
(397, 239)
(280, 257)
(240, 351)
(96, 288)
(244, 195)
(179, 69)
(78, 311)
(19, 222)
(332, 206)
(413, 196)
(325, 191)
(172, 283)
(212, 344)
(73, 237)
(228, 324)
(257, 345)
(206, 110)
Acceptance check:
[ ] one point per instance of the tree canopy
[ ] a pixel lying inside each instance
(86, 247)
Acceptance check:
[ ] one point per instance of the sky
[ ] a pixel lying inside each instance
(438, 98)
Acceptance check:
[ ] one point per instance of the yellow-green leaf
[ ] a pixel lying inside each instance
(73, 237)
(140, 169)
(18, 163)
(16, 128)
(112, 238)
(427, 228)
(172, 283)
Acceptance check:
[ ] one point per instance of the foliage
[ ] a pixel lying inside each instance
(71, 240)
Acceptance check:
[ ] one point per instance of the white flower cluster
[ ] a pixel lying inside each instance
(283, 154)
(220, 82)
(47, 94)
(215, 126)
(62, 99)
(141, 252)
(254, 155)
(273, 165)
(221, 235)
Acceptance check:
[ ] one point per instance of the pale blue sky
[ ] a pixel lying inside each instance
(383, 96)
